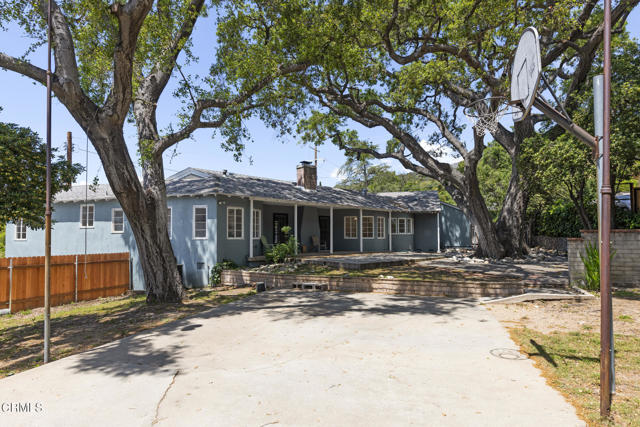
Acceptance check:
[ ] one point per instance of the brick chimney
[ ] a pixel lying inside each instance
(307, 176)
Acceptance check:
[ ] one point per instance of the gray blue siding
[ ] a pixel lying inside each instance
(455, 229)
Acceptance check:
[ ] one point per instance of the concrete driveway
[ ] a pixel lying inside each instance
(298, 358)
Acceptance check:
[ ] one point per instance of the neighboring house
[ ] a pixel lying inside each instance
(215, 216)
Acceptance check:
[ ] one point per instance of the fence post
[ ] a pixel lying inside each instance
(75, 298)
(10, 282)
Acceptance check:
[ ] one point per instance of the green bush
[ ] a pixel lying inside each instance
(561, 220)
(283, 251)
(215, 277)
(2, 237)
(624, 219)
(591, 262)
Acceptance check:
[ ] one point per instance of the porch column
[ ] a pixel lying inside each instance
(360, 228)
(438, 228)
(331, 229)
(295, 224)
(390, 244)
(250, 228)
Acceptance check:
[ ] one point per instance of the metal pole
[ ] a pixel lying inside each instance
(47, 235)
(606, 326)
(10, 282)
(295, 225)
(390, 241)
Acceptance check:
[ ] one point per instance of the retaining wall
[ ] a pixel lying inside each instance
(625, 265)
(387, 286)
(558, 244)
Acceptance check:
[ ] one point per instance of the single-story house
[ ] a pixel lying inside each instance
(215, 216)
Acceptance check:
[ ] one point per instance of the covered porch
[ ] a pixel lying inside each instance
(338, 230)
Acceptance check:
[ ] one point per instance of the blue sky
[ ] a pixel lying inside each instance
(23, 102)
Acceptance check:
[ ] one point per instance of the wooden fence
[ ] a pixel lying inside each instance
(73, 278)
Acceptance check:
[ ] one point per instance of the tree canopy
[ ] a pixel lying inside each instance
(23, 159)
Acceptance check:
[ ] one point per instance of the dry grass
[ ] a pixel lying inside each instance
(79, 327)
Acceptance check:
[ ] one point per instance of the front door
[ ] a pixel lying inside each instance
(324, 232)
(279, 220)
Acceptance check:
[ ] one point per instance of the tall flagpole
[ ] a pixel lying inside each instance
(47, 234)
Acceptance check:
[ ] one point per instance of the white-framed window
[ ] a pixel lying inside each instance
(381, 227)
(257, 224)
(199, 222)
(235, 223)
(350, 227)
(402, 226)
(169, 219)
(86, 216)
(21, 230)
(117, 220)
(367, 227)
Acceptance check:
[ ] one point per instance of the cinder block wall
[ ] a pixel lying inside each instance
(625, 266)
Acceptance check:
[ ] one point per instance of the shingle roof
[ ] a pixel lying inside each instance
(193, 182)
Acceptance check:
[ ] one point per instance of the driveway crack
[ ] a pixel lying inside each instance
(164, 395)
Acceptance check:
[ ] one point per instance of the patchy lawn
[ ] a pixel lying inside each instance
(563, 340)
(79, 327)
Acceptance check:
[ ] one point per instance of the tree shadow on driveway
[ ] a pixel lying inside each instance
(143, 354)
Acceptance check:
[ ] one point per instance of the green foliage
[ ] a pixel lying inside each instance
(23, 175)
(215, 276)
(382, 179)
(283, 252)
(558, 219)
(494, 172)
(625, 219)
(591, 262)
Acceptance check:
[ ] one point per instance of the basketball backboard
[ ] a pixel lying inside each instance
(525, 73)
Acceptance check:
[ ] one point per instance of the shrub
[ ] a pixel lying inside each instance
(215, 277)
(591, 262)
(283, 251)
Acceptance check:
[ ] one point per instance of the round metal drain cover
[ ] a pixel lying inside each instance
(508, 353)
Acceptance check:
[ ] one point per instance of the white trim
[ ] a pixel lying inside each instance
(15, 233)
(438, 228)
(344, 231)
(113, 230)
(408, 226)
(390, 237)
(331, 229)
(193, 222)
(93, 216)
(382, 235)
(241, 224)
(360, 229)
(295, 226)
(257, 224)
(170, 222)
(373, 227)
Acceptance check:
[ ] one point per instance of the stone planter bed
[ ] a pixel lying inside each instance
(441, 288)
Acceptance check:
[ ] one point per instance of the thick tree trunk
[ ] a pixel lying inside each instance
(511, 225)
(146, 211)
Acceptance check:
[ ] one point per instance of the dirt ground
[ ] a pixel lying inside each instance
(564, 316)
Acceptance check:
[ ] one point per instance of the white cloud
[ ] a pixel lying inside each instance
(335, 174)
(441, 153)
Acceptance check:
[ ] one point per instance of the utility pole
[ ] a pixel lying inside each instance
(47, 213)
(69, 148)
(606, 327)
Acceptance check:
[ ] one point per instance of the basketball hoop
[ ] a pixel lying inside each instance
(485, 114)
